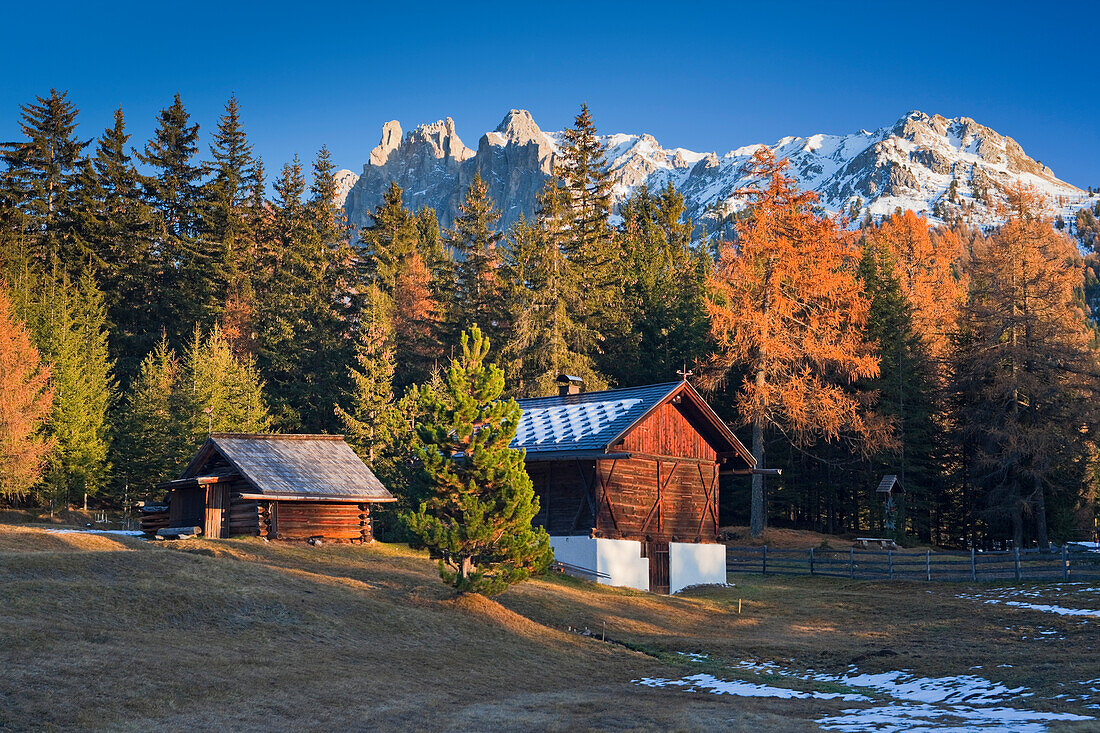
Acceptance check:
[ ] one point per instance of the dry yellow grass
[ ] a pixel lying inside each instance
(244, 634)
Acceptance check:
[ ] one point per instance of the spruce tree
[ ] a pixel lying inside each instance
(41, 184)
(591, 249)
(369, 422)
(192, 264)
(478, 517)
(549, 336)
(663, 303)
(72, 319)
(476, 243)
(119, 226)
(219, 392)
(149, 438)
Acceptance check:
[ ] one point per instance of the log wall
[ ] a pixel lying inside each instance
(303, 520)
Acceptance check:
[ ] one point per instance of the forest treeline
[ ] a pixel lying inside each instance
(157, 291)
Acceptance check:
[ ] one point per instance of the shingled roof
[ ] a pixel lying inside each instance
(590, 423)
(294, 466)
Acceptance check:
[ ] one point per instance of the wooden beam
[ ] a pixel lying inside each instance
(606, 493)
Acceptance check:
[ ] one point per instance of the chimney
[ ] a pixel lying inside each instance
(568, 384)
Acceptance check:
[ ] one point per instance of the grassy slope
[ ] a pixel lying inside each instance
(99, 632)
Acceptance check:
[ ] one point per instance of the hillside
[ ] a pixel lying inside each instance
(946, 168)
(106, 632)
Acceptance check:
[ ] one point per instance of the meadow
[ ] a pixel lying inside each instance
(101, 631)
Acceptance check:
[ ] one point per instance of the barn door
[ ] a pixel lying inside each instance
(657, 552)
(217, 501)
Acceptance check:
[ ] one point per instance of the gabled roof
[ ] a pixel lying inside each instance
(590, 423)
(294, 466)
(888, 483)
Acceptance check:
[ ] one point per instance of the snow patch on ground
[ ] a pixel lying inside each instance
(740, 688)
(1065, 592)
(125, 532)
(953, 704)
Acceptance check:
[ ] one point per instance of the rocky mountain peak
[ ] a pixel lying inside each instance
(391, 140)
(441, 139)
(518, 126)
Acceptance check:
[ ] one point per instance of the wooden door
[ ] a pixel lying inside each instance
(657, 552)
(217, 501)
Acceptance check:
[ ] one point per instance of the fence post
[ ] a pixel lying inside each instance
(1065, 563)
(764, 565)
(973, 566)
(852, 563)
(890, 559)
(811, 561)
(1016, 561)
(928, 564)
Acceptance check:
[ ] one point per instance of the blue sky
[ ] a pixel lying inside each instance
(705, 76)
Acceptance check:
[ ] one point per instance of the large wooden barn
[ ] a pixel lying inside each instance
(627, 481)
(286, 487)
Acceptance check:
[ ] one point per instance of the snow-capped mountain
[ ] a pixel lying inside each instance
(944, 168)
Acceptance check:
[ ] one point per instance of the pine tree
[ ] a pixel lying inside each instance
(477, 247)
(26, 401)
(482, 504)
(785, 306)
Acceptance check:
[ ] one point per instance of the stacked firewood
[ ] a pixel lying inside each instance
(154, 517)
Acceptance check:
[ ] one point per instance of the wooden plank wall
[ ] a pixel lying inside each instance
(658, 499)
(666, 432)
(565, 495)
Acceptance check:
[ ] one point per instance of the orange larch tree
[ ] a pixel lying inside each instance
(786, 307)
(25, 403)
(1026, 373)
(928, 272)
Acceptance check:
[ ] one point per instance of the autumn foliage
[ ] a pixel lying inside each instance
(785, 303)
(927, 270)
(25, 403)
(786, 307)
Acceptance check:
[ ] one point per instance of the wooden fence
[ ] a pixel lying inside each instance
(1060, 564)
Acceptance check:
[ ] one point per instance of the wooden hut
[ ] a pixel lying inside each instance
(286, 487)
(627, 481)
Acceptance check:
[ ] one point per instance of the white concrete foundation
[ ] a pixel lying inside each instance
(695, 564)
(613, 562)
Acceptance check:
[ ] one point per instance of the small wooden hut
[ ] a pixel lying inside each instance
(627, 481)
(286, 487)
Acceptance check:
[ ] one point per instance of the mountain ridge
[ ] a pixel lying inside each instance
(910, 163)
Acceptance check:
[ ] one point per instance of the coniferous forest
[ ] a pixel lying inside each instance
(158, 290)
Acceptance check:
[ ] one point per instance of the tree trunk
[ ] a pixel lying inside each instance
(466, 567)
(758, 516)
(1041, 514)
(1017, 524)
